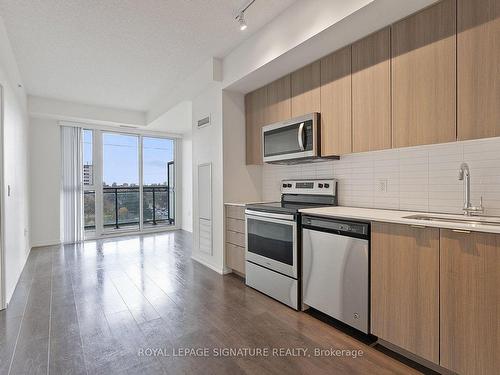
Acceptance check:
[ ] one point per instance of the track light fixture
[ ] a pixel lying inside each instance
(241, 16)
(241, 21)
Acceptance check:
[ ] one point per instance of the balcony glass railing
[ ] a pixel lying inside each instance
(121, 207)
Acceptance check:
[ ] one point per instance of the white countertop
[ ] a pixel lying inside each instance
(240, 204)
(393, 216)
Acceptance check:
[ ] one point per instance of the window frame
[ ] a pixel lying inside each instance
(97, 156)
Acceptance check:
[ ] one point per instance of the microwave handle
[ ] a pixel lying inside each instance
(300, 136)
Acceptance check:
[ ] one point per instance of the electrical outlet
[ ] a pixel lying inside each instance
(382, 185)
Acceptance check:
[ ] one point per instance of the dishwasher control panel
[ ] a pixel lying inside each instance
(337, 225)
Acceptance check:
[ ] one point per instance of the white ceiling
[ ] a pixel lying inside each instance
(122, 53)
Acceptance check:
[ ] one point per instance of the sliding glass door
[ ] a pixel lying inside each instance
(158, 160)
(129, 182)
(120, 182)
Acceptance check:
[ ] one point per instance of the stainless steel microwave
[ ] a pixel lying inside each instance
(293, 141)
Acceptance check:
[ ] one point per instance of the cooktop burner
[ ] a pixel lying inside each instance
(300, 194)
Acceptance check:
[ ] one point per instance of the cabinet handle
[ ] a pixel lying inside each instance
(461, 231)
(418, 226)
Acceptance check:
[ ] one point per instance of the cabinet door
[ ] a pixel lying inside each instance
(478, 68)
(371, 92)
(336, 103)
(405, 287)
(306, 89)
(235, 257)
(424, 77)
(470, 302)
(278, 101)
(255, 118)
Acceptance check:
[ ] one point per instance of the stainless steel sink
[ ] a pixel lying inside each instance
(475, 220)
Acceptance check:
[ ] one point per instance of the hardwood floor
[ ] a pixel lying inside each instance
(103, 306)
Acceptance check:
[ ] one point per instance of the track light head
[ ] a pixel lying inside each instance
(241, 21)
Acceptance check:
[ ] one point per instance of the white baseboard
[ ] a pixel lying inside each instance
(46, 243)
(187, 228)
(8, 298)
(206, 264)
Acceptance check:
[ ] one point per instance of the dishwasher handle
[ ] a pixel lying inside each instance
(342, 227)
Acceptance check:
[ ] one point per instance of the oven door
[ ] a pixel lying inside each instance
(271, 241)
(292, 139)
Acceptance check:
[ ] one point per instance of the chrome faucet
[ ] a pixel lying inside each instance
(469, 209)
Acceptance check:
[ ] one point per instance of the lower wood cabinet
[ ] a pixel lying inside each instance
(235, 238)
(405, 287)
(436, 293)
(470, 302)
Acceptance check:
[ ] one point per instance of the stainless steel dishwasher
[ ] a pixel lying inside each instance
(335, 269)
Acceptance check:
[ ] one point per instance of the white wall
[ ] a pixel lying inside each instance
(45, 170)
(179, 120)
(69, 111)
(278, 37)
(242, 183)
(232, 180)
(423, 178)
(207, 148)
(278, 49)
(187, 182)
(188, 88)
(176, 120)
(15, 168)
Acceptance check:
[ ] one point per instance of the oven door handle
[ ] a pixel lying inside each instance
(263, 215)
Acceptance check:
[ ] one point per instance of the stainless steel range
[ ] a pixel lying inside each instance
(273, 238)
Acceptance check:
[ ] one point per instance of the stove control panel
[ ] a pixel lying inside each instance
(313, 187)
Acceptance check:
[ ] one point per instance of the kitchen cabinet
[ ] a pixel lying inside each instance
(405, 287)
(470, 302)
(278, 106)
(336, 103)
(478, 68)
(306, 89)
(235, 238)
(424, 76)
(255, 119)
(429, 78)
(371, 92)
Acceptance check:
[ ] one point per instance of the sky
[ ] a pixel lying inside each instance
(120, 158)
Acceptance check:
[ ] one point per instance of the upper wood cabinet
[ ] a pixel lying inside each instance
(371, 92)
(478, 68)
(430, 78)
(405, 287)
(264, 106)
(336, 103)
(306, 89)
(424, 76)
(470, 302)
(255, 118)
(278, 100)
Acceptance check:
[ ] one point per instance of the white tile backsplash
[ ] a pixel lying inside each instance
(423, 178)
